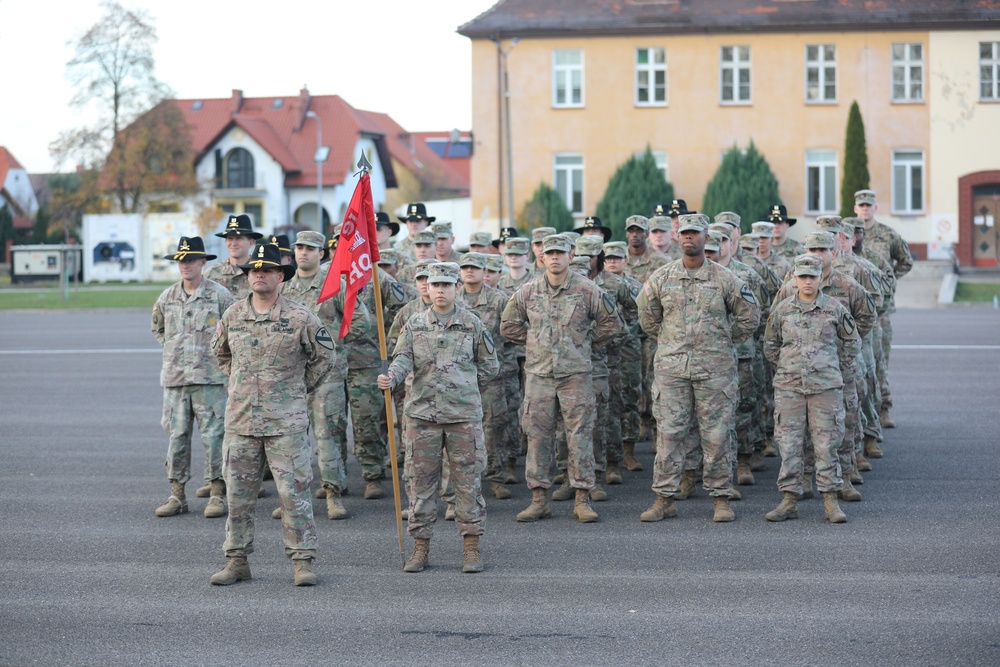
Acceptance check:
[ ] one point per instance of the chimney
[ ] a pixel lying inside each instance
(237, 101)
(302, 104)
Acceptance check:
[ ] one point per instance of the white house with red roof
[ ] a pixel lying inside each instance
(16, 191)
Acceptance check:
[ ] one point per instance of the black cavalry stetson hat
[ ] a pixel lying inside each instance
(267, 255)
(677, 207)
(593, 222)
(284, 245)
(382, 218)
(505, 233)
(780, 214)
(416, 211)
(189, 247)
(239, 225)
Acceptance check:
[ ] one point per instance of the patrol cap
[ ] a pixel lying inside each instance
(581, 265)
(556, 242)
(474, 259)
(864, 197)
(640, 221)
(589, 246)
(311, 239)
(516, 245)
(424, 237)
(660, 223)
(480, 238)
(829, 223)
(571, 237)
(720, 227)
(538, 235)
(422, 268)
(819, 240)
(713, 240)
(728, 218)
(494, 263)
(847, 227)
(694, 222)
(389, 257)
(749, 241)
(763, 229)
(855, 222)
(189, 247)
(443, 272)
(617, 249)
(808, 265)
(442, 230)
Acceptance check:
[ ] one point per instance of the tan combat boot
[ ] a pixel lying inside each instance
(833, 512)
(500, 492)
(611, 475)
(628, 459)
(872, 449)
(373, 489)
(304, 576)
(769, 449)
(320, 493)
(335, 510)
(849, 493)
(472, 561)
(856, 478)
(418, 561)
(582, 510)
(662, 508)
(744, 475)
(204, 491)
(510, 471)
(216, 507)
(688, 481)
(723, 512)
(276, 514)
(757, 461)
(863, 464)
(449, 512)
(237, 569)
(176, 503)
(807, 486)
(564, 492)
(886, 420)
(597, 494)
(786, 509)
(538, 509)
(736, 494)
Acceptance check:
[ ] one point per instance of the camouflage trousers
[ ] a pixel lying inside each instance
(244, 458)
(883, 368)
(869, 396)
(766, 393)
(646, 418)
(513, 392)
(613, 422)
(494, 426)
(818, 418)
(601, 396)
(631, 386)
(677, 404)
(430, 449)
(545, 400)
(852, 425)
(182, 406)
(327, 406)
(749, 425)
(367, 420)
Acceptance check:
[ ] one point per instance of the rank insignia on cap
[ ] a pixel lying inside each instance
(260, 252)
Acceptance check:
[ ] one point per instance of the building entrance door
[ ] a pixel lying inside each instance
(985, 225)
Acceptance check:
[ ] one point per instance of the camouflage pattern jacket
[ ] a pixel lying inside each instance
(697, 319)
(231, 277)
(790, 249)
(450, 360)
(641, 267)
(487, 304)
(747, 348)
(866, 275)
(184, 326)
(848, 292)
(812, 345)
(558, 325)
(887, 242)
(272, 360)
(364, 352)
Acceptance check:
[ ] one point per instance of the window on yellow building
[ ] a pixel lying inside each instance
(568, 178)
(907, 72)
(821, 73)
(821, 181)
(567, 78)
(734, 75)
(907, 182)
(651, 77)
(989, 71)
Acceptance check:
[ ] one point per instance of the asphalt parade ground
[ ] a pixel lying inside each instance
(89, 576)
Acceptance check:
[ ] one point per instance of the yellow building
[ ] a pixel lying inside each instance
(591, 82)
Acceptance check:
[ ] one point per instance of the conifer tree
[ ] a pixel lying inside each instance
(856, 176)
(634, 189)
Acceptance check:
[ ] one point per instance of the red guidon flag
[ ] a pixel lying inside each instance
(357, 251)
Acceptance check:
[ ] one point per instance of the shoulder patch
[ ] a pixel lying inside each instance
(747, 294)
(647, 289)
(633, 289)
(870, 300)
(609, 304)
(324, 339)
(397, 292)
(847, 323)
(488, 342)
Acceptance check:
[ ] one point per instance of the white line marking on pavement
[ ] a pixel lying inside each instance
(946, 347)
(142, 350)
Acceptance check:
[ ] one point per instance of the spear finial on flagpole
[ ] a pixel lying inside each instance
(363, 164)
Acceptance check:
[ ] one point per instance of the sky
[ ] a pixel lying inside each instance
(401, 57)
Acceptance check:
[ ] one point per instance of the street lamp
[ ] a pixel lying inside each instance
(322, 153)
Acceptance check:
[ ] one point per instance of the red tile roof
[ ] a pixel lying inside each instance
(7, 162)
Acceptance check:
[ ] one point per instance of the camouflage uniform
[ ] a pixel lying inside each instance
(231, 277)
(778, 264)
(789, 249)
(450, 357)
(813, 346)
(640, 268)
(273, 360)
(558, 327)
(194, 388)
(696, 318)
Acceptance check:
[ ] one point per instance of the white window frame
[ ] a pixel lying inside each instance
(905, 160)
(568, 170)
(992, 64)
(824, 161)
(662, 162)
(650, 69)
(821, 65)
(905, 66)
(562, 74)
(734, 66)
